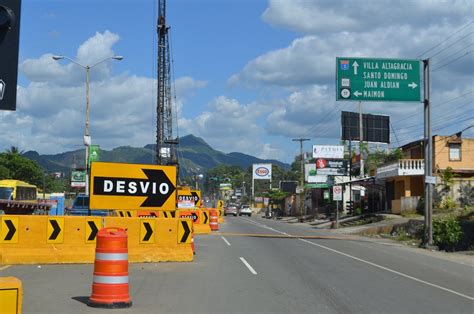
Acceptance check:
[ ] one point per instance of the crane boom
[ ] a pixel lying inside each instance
(165, 149)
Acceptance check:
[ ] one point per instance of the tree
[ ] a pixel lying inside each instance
(20, 168)
(14, 150)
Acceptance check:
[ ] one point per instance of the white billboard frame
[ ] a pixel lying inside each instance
(328, 151)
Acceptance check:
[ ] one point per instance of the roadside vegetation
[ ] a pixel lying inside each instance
(14, 166)
(453, 219)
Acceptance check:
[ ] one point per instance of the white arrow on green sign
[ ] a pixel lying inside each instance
(367, 79)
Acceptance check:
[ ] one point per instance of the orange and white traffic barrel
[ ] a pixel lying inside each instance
(213, 222)
(110, 283)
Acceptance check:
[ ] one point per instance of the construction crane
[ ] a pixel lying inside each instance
(165, 143)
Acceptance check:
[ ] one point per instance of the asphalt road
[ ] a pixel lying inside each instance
(235, 272)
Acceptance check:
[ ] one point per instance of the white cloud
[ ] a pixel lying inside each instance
(354, 16)
(305, 68)
(50, 115)
(229, 126)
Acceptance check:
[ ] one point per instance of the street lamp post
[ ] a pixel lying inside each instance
(87, 137)
(198, 177)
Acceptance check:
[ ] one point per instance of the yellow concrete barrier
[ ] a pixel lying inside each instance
(200, 219)
(203, 226)
(221, 215)
(71, 239)
(11, 295)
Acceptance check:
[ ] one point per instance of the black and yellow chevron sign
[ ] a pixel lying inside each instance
(185, 230)
(9, 230)
(55, 230)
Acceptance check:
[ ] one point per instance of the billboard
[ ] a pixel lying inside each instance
(10, 13)
(328, 151)
(332, 167)
(312, 176)
(376, 127)
(262, 171)
(78, 178)
(288, 186)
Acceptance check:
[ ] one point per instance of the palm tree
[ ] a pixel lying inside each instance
(14, 150)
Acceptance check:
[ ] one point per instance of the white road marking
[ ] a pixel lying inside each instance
(225, 240)
(372, 264)
(4, 267)
(390, 270)
(248, 266)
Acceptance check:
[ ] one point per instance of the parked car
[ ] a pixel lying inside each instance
(245, 210)
(230, 210)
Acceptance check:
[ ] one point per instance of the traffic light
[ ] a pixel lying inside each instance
(9, 44)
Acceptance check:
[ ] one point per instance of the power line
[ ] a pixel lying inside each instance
(439, 127)
(448, 63)
(446, 39)
(412, 115)
(451, 45)
(453, 54)
(453, 114)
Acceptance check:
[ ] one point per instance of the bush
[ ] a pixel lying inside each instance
(466, 193)
(448, 203)
(446, 233)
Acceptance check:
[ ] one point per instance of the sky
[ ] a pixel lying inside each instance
(248, 75)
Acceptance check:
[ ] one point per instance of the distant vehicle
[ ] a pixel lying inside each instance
(16, 190)
(80, 207)
(245, 210)
(19, 197)
(230, 210)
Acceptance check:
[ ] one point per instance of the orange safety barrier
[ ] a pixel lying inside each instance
(213, 223)
(110, 284)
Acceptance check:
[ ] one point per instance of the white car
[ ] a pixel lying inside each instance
(245, 210)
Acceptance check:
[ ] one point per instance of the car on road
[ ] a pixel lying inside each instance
(245, 210)
(230, 210)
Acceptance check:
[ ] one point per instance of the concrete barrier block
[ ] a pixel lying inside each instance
(11, 295)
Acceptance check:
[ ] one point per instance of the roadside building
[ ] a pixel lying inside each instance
(404, 178)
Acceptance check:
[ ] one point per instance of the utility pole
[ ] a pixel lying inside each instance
(361, 140)
(301, 140)
(428, 237)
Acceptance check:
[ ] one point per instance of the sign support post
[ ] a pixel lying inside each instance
(428, 237)
(361, 140)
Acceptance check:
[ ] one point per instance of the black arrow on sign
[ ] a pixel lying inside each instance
(93, 232)
(57, 229)
(138, 187)
(195, 197)
(205, 217)
(187, 231)
(149, 232)
(11, 230)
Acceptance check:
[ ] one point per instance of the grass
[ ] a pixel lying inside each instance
(410, 214)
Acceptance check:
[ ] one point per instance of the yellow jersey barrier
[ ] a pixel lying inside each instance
(200, 217)
(11, 295)
(71, 239)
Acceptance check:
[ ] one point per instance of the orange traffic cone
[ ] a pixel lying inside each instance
(110, 284)
(213, 223)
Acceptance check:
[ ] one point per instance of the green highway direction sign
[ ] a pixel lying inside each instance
(367, 79)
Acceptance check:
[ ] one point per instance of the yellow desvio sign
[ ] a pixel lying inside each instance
(188, 195)
(132, 186)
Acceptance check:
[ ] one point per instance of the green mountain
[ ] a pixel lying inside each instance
(194, 155)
